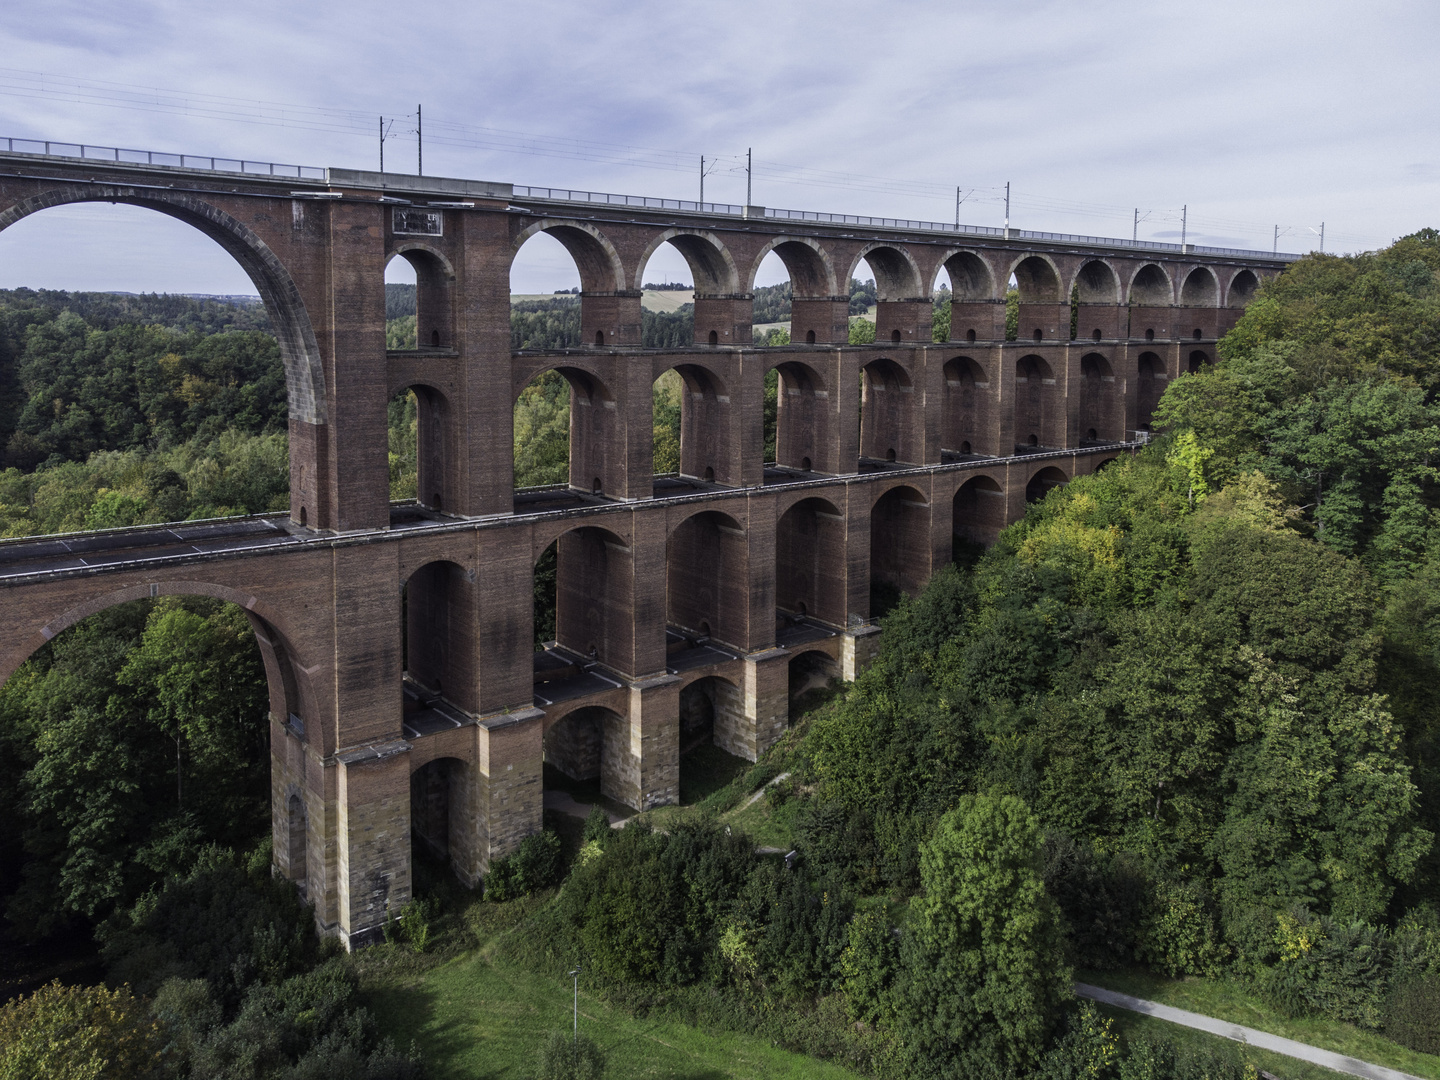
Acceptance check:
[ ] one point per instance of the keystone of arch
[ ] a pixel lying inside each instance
(830, 285)
(299, 349)
(724, 277)
(615, 268)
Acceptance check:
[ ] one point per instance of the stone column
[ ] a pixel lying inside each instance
(373, 803)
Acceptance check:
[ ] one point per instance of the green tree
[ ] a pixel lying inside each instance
(80, 1033)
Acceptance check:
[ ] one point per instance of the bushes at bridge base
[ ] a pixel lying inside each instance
(567, 1056)
(1413, 1018)
(536, 866)
(80, 1032)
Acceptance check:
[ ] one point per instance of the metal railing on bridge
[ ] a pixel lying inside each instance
(87, 152)
(157, 157)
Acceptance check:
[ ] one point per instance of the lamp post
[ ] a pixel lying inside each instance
(576, 976)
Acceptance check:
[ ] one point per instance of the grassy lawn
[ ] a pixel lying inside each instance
(769, 826)
(480, 1018)
(1226, 1000)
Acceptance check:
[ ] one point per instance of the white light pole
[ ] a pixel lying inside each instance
(576, 976)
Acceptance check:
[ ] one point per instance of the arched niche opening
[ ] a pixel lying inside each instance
(258, 376)
(1151, 380)
(1102, 407)
(810, 566)
(208, 704)
(971, 309)
(904, 309)
(1043, 311)
(567, 433)
(1097, 302)
(594, 596)
(978, 514)
(1039, 410)
(692, 421)
(568, 290)
(1043, 482)
(900, 547)
(720, 313)
(1198, 360)
(424, 464)
(803, 422)
(445, 814)
(966, 421)
(712, 716)
(439, 603)
(1200, 288)
(887, 405)
(419, 301)
(812, 674)
(706, 560)
(584, 758)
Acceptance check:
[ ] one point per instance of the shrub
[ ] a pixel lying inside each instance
(868, 966)
(567, 1057)
(1178, 936)
(597, 826)
(81, 1033)
(1413, 1016)
(535, 866)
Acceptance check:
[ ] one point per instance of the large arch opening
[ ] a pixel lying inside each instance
(720, 315)
(1243, 287)
(594, 596)
(423, 462)
(899, 547)
(966, 419)
(812, 674)
(1102, 415)
(903, 305)
(977, 312)
(193, 404)
(1197, 361)
(445, 817)
(978, 513)
(438, 650)
(160, 713)
(1200, 288)
(568, 289)
(797, 297)
(1043, 482)
(803, 420)
(1152, 298)
(1043, 313)
(887, 399)
(1151, 380)
(419, 286)
(692, 443)
(705, 577)
(1097, 296)
(584, 756)
(566, 436)
(1039, 411)
(712, 714)
(810, 564)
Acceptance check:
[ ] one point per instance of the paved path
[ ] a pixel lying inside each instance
(1227, 1030)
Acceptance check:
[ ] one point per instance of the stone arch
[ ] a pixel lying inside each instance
(705, 437)
(599, 264)
(299, 349)
(1242, 288)
(438, 484)
(1043, 481)
(803, 420)
(710, 261)
(706, 577)
(442, 812)
(899, 545)
(897, 276)
(1197, 361)
(1039, 412)
(887, 400)
(434, 293)
(971, 278)
(586, 743)
(810, 562)
(441, 603)
(1038, 279)
(1200, 289)
(711, 713)
(1151, 287)
(811, 270)
(809, 669)
(1150, 381)
(966, 418)
(596, 430)
(594, 594)
(1097, 282)
(1101, 409)
(979, 509)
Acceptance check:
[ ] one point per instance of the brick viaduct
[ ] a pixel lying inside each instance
(406, 699)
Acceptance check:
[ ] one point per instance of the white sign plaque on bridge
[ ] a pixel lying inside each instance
(411, 222)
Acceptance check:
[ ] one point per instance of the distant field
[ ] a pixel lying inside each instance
(662, 302)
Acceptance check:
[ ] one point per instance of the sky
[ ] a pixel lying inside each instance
(1251, 115)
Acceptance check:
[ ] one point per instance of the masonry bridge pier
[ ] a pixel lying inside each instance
(408, 704)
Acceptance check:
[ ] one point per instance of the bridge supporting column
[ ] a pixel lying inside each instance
(610, 318)
(510, 788)
(819, 320)
(904, 322)
(977, 320)
(858, 648)
(764, 707)
(373, 841)
(1051, 322)
(642, 752)
(727, 317)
